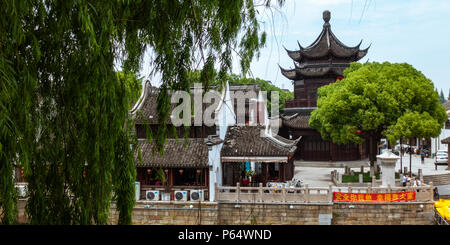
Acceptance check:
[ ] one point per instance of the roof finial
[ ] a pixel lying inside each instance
(326, 16)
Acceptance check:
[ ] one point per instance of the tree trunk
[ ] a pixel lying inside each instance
(373, 147)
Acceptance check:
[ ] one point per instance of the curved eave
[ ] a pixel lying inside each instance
(289, 74)
(325, 44)
(362, 53)
(295, 55)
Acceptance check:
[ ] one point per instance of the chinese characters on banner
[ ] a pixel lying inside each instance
(374, 197)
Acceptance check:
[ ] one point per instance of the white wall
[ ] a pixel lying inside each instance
(436, 144)
(225, 117)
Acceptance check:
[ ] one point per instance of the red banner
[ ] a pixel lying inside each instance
(374, 197)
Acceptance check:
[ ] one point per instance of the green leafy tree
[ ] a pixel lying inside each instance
(63, 109)
(375, 100)
(133, 86)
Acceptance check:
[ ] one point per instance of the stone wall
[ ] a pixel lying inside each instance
(171, 213)
(272, 214)
(383, 214)
(212, 213)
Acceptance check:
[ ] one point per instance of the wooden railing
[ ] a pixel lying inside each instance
(301, 103)
(238, 194)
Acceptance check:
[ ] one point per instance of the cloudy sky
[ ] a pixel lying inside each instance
(413, 31)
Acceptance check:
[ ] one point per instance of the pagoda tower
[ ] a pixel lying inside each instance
(321, 63)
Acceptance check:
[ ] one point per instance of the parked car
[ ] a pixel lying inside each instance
(441, 157)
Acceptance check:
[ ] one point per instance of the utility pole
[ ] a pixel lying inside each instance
(401, 155)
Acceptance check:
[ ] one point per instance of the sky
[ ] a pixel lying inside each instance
(415, 31)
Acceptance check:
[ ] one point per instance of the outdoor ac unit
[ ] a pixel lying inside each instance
(180, 195)
(196, 195)
(152, 195)
(21, 190)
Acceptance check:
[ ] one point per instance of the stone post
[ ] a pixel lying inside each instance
(260, 190)
(330, 193)
(362, 169)
(360, 178)
(420, 174)
(405, 170)
(307, 197)
(238, 191)
(388, 161)
(431, 191)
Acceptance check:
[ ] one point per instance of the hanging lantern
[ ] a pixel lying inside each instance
(199, 171)
(149, 171)
(21, 172)
(84, 174)
(181, 171)
(166, 171)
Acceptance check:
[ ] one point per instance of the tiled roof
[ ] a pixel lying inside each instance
(247, 141)
(145, 110)
(446, 104)
(297, 121)
(176, 154)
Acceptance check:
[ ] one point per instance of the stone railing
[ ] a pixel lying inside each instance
(238, 194)
(262, 194)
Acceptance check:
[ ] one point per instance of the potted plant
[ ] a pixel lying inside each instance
(250, 174)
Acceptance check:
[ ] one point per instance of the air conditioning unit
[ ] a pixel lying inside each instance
(21, 190)
(180, 195)
(152, 195)
(197, 195)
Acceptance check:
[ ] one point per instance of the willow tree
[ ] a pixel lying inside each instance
(377, 100)
(64, 111)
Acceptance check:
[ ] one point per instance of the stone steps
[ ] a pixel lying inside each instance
(439, 179)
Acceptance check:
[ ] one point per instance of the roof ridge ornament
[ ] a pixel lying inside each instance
(326, 17)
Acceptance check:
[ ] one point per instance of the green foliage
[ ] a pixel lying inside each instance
(394, 100)
(366, 177)
(133, 86)
(63, 108)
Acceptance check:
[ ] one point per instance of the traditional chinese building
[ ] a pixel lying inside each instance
(321, 63)
(251, 147)
(187, 164)
(255, 148)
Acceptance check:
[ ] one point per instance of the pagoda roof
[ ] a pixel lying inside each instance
(325, 46)
(313, 70)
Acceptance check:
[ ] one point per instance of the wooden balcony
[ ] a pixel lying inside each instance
(301, 103)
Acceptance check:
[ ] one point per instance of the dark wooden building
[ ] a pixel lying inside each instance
(321, 63)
